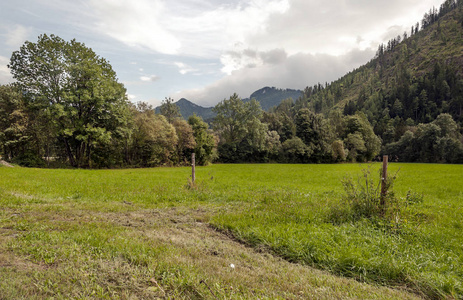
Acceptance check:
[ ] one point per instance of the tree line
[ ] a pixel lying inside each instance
(290, 134)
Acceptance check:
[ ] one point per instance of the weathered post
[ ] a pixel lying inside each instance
(384, 182)
(193, 172)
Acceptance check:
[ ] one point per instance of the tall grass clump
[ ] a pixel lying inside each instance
(364, 199)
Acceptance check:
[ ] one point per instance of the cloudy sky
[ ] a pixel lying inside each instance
(205, 50)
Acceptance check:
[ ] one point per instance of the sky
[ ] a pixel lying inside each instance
(206, 50)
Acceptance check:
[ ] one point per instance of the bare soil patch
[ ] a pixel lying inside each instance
(4, 163)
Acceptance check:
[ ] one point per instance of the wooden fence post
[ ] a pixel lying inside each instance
(193, 172)
(384, 182)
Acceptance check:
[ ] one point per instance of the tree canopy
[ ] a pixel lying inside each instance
(76, 90)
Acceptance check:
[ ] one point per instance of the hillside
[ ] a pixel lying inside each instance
(269, 97)
(414, 77)
(188, 108)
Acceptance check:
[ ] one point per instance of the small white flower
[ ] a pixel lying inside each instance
(232, 266)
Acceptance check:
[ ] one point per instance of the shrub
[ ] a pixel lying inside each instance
(362, 199)
(29, 159)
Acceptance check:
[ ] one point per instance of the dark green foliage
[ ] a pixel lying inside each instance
(242, 135)
(314, 131)
(360, 140)
(439, 141)
(153, 140)
(269, 97)
(281, 123)
(294, 150)
(29, 159)
(205, 141)
(170, 110)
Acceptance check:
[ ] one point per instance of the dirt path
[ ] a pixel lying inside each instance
(209, 260)
(221, 257)
(4, 163)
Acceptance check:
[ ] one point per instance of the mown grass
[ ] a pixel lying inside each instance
(140, 233)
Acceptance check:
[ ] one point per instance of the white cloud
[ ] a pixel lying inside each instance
(135, 23)
(151, 78)
(184, 68)
(5, 76)
(191, 27)
(277, 68)
(249, 58)
(200, 28)
(17, 35)
(336, 27)
(209, 32)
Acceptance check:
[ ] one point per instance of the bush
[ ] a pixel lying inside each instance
(29, 159)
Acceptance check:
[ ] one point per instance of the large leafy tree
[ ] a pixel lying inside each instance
(154, 139)
(242, 134)
(360, 139)
(77, 90)
(204, 139)
(186, 141)
(314, 131)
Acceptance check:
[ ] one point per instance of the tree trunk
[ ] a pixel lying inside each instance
(126, 150)
(69, 152)
(89, 153)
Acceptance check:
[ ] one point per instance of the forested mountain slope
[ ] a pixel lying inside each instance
(415, 77)
(269, 97)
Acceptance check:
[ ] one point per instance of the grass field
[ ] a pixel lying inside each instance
(143, 233)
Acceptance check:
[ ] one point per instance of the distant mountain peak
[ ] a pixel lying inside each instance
(268, 97)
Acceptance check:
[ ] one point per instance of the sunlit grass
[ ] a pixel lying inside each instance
(98, 219)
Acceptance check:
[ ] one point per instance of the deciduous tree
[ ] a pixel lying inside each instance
(170, 110)
(78, 89)
(205, 142)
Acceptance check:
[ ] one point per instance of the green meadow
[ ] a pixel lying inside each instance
(262, 231)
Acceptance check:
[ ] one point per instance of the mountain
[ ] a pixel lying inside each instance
(268, 97)
(412, 79)
(188, 108)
